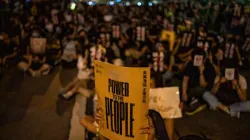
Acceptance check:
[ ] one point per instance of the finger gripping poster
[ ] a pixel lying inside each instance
(123, 96)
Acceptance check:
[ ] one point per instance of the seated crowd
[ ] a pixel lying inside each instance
(199, 47)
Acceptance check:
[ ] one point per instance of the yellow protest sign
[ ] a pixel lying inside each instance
(123, 96)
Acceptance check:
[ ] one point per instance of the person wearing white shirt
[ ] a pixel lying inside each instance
(80, 83)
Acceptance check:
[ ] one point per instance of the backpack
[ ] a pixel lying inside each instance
(160, 130)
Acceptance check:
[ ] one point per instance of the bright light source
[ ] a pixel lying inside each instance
(155, 2)
(139, 3)
(118, 0)
(72, 6)
(90, 3)
(111, 3)
(150, 4)
(127, 3)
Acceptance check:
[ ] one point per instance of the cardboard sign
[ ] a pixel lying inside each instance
(229, 73)
(165, 101)
(123, 96)
(38, 45)
(198, 60)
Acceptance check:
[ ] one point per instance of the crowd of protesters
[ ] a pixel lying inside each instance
(190, 45)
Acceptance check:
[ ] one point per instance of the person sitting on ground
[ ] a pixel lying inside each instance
(216, 59)
(229, 94)
(38, 65)
(87, 121)
(148, 129)
(69, 56)
(184, 48)
(54, 52)
(198, 78)
(80, 83)
(9, 51)
(90, 121)
(232, 51)
(26, 60)
(160, 64)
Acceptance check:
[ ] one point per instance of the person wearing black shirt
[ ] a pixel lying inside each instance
(9, 50)
(38, 66)
(203, 42)
(232, 53)
(160, 63)
(216, 59)
(245, 51)
(54, 51)
(184, 48)
(197, 80)
(131, 31)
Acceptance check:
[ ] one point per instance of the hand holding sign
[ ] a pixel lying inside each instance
(201, 68)
(149, 129)
(123, 100)
(235, 82)
(198, 60)
(223, 80)
(229, 73)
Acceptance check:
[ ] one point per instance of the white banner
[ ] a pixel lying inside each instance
(165, 101)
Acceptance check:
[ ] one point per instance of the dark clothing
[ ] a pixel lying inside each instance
(194, 75)
(8, 49)
(69, 65)
(89, 106)
(204, 44)
(110, 55)
(159, 59)
(227, 95)
(1, 49)
(230, 53)
(52, 52)
(24, 45)
(36, 64)
(186, 42)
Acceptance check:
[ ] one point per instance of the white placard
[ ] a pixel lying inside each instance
(229, 73)
(165, 101)
(198, 60)
(38, 45)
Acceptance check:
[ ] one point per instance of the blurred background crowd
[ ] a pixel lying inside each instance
(190, 44)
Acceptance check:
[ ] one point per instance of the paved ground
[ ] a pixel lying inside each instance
(30, 110)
